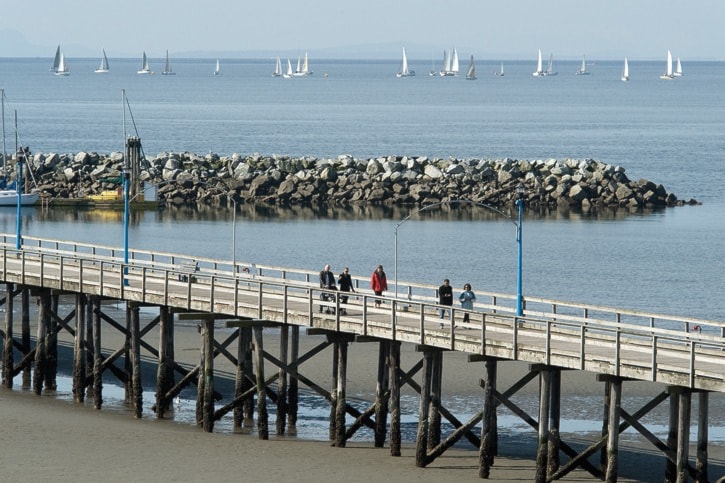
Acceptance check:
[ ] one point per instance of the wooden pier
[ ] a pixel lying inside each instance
(686, 356)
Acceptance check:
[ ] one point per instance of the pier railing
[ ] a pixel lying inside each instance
(626, 343)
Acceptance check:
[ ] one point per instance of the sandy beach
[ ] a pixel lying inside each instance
(50, 438)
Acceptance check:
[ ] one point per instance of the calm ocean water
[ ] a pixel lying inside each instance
(666, 131)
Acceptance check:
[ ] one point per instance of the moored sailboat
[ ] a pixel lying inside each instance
(583, 69)
(218, 68)
(63, 67)
(678, 68)
(625, 71)
(103, 68)
(668, 75)
(167, 67)
(539, 72)
(277, 68)
(56, 60)
(290, 73)
(471, 72)
(500, 72)
(145, 68)
(404, 69)
(550, 67)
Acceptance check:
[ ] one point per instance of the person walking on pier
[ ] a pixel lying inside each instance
(344, 281)
(445, 297)
(467, 298)
(378, 283)
(327, 281)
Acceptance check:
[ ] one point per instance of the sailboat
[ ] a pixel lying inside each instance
(63, 67)
(289, 74)
(678, 68)
(306, 66)
(583, 69)
(218, 68)
(471, 72)
(625, 71)
(539, 72)
(103, 68)
(404, 70)
(277, 68)
(9, 193)
(145, 69)
(56, 60)
(550, 67)
(450, 63)
(167, 67)
(500, 72)
(668, 70)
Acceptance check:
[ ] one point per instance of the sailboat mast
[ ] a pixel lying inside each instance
(5, 155)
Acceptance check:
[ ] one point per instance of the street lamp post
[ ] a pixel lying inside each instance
(520, 193)
(20, 155)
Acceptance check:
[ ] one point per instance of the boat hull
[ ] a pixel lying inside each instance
(10, 198)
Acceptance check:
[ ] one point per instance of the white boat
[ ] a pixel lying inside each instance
(56, 60)
(218, 68)
(539, 72)
(433, 70)
(145, 69)
(678, 68)
(103, 68)
(290, 73)
(10, 198)
(583, 69)
(404, 70)
(450, 63)
(625, 71)
(668, 75)
(277, 68)
(471, 72)
(303, 67)
(167, 67)
(500, 72)
(550, 67)
(63, 67)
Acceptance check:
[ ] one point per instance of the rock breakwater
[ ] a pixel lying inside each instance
(190, 179)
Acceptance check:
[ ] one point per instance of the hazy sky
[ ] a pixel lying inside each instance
(510, 29)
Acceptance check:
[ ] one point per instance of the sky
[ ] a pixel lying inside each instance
(507, 29)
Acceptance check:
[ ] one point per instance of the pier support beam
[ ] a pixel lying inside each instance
(207, 374)
(262, 416)
(135, 350)
(394, 366)
(486, 451)
(671, 466)
(333, 391)
(434, 425)
(51, 344)
(8, 359)
(553, 460)
(281, 421)
(543, 444)
(244, 413)
(341, 398)
(97, 357)
(702, 437)
(294, 387)
(615, 402)
(382, 394)
(79, 351)
(683, 436)
(41, 356)
(25, 324)
(165, 369)
(421, 441)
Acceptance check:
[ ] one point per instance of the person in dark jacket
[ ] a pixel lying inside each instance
(344, 281)
(327, 281)
(445, 296)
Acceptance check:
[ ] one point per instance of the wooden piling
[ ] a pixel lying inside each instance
(79, 351)
(281, 420)
(341, 399)
(605, 427)
(486, 450)
(244, 412)
(683, 436)
(97, 356)
(671, 466)
(165, 368)
(615, 403)
(543, 443)
(25, 336)
(421, 441)
(553, 460)
(127, 358)
(333, 392)
(200, 380)
(293, 388)
(262, 416)
(207, 374)
(8, 360)
(40, 342)
(702, 436)
(135, 350)
(90, 356)
(434, 426)
(394, 367)
(381, 394)
(51, 344)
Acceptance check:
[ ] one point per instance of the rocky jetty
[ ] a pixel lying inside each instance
(190, 179)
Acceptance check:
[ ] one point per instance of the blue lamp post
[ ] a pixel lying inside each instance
(20, 155)
(125, 223)
(520, 193)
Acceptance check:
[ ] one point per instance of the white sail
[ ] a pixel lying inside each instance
(539, 67)
(145, 69)
(454, 62)
(583, 69)
(450, 63)
(63, 67)
(668, 68)
(167, 66)
(404, 69)
(678, 68)
(446, 63)
(625, 71)
(306, 66)
(103, 68)
(289, 72)
(501, 71)
(471, 72)
(277, 68)
(56, 60)
(550, 67)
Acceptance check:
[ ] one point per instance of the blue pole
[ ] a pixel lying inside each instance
(125, 225)
(19, 186)
(519, 300)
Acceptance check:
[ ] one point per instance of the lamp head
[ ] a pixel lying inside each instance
(520, 191)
